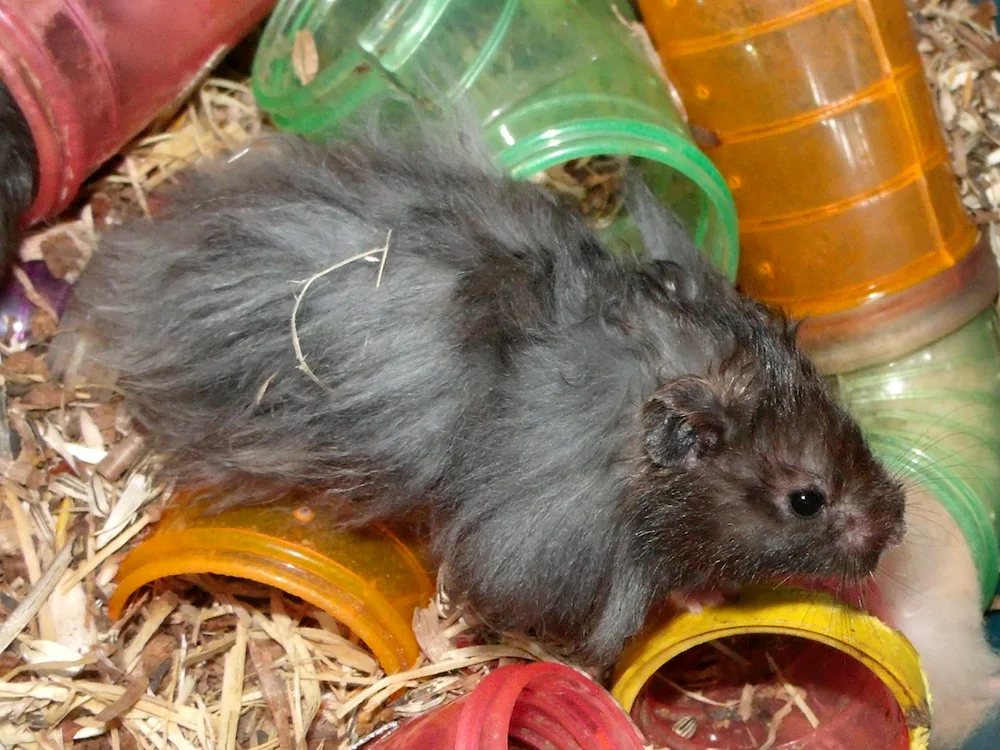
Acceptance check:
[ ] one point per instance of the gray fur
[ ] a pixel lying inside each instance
(547, 403)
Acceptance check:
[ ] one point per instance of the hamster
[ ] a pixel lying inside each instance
(18, 175)
(929, 589)
(589, 434)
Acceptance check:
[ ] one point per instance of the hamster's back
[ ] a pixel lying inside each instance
(413, 278)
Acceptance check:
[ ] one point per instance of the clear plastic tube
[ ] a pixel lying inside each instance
(550, 82)
(934, 415)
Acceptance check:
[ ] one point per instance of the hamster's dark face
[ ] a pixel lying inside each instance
(802, 498)
(759, 475)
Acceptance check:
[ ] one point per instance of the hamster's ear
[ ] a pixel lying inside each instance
(684, 422)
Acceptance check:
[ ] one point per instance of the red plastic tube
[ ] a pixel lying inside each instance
(89, 75)
(541, 706)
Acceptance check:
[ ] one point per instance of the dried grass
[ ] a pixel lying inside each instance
(205, 662)
(961, 51)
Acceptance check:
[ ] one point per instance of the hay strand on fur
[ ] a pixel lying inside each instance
(366, 255)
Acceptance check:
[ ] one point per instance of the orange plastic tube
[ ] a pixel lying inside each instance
(367, 579)
(818, 115)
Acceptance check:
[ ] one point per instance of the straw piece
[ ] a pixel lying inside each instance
(746, 703)
(306, 696)
(35, 602)
(232, 690)
(341, 649)
(159, 611)
(22, 526)
(58, 691)
(797, 694)
(366, 255)
(305, 56)
(9, 544)
(132, 498)
(205, 653)
(134, 690)
(700, 697)
(772, 730)
(73, 622)
(457, 659)
(92, 563)
(32, 603)
(432, 640)
(263, 655)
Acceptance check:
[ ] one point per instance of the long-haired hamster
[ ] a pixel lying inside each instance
(588, 433)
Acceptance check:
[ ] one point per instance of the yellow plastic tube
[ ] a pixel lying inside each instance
(791, 612)
(367, 579)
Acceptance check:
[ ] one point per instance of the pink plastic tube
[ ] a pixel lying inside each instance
(89, 75)
(542, 706)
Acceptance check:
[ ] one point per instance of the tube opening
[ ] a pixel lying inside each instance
(758, 690)
(585, 166)
(595, 186)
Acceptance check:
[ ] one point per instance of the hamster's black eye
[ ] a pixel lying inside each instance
(806, 502)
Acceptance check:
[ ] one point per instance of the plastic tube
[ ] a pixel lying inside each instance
(89, 75)
(542, 706)
(876, 698)
(367, 579)
(820, 119)
(934, 416)
(550, 82)
(895, 325)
